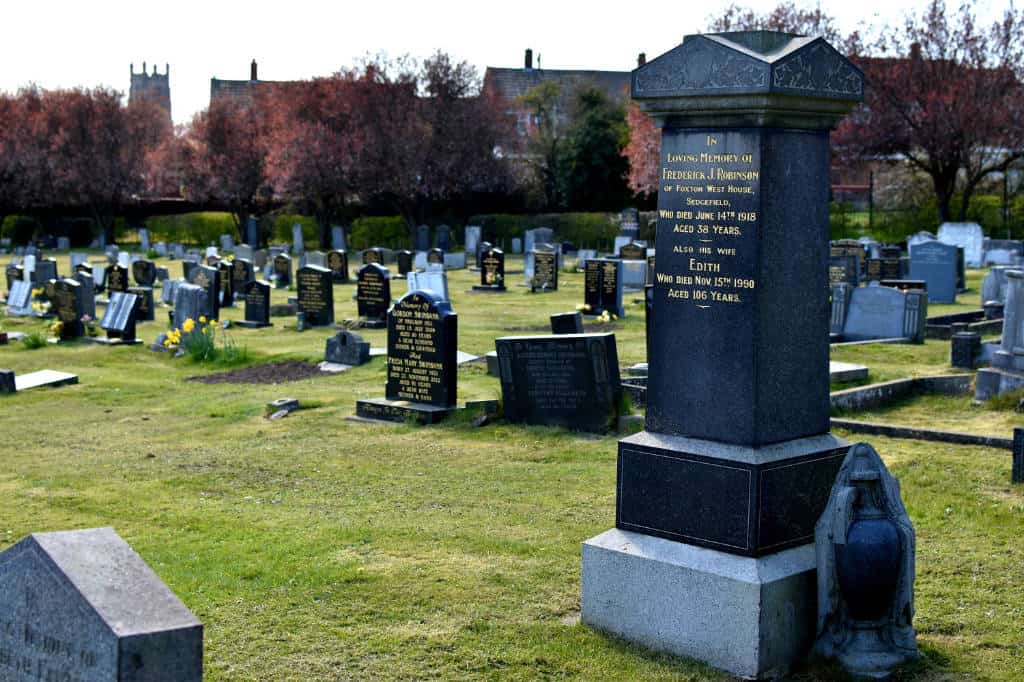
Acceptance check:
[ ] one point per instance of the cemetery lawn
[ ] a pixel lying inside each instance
(319, 548)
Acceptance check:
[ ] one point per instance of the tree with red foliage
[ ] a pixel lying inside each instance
(951, 101)
(643, 151)
(224, 158)
(311, 147)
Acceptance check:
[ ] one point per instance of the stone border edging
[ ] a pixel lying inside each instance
(876, 395)
(915, 433)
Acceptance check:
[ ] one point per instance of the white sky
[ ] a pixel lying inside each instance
(67, 43)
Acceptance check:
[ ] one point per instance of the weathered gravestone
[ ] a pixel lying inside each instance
(545, 271)
(337, 263)
(209, 280)
(374, 254)
(227, 243)
(257, 304)
(19, 298)
(88, 285)
(68, 306)
(1007, 370)
(969, 237)
(471, 240)
(993, 285)
(567, 323)
(318, 258)
(936, 264)
(298, 243)
(315, 295)
(347, 348)
(167, 292)
(422, 364)
(82, 605)
(717, 499)
(569, 380)
(144, 243)
(190, 301)
(602, 287)
(187, 268)
(435, 281)
(403, 260)
(373, 295)
(119, 319)
(877, 312)
(282, 271)
(145, 273)
(492, 271)
(117, 278)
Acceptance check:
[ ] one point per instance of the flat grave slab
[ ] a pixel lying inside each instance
(45, 377)
(846, 371)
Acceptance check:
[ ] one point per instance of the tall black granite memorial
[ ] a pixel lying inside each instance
(209, 279)
(282, 271)
(422, 365)
(257, 304)
(373, 295)
(545, 271)
(492, 271)
(602, 286)
(712, 556)
(119, 319)
(404, 261)
(315, 295)
(936, 263)
(568, 380)
(82, 605)
(337, 263)
(117, 278)
(68, 306)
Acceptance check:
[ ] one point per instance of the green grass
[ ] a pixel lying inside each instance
(318, 548)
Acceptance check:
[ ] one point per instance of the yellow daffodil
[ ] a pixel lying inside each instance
(202, 319)
(189, 325)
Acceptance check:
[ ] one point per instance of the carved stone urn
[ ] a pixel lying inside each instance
(865, 550)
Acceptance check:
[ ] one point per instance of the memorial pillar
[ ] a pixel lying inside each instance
(712, 556)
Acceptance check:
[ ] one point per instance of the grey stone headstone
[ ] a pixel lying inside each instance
(259, 258)
(919, 237)
(88, 284)
(161, 249)
(189, 302)
(29, 265)
(144, 239)
(877, 312)
(252, 231)
(969, 237)
(124, 259)
(435, 281)
(444, 237)
(168, 291)
(993, 286)
(338, 238)
(227, 242)
(19, 298)
(77, 259)
(178, 251)
(63, 243)
(317, 258)
(347, 348)
(298, 244)
(517, 245)
(243, 251)
(471, 239)
(936, 264)
(422, 237)
(82, 605)
(45, 270)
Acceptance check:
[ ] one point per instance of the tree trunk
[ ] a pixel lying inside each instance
(944, 186)
(965, 203)
(323, 224)
(241, 218)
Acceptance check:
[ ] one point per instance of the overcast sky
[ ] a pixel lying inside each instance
(67, 43)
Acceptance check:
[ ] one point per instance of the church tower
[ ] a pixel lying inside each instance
(155, 87)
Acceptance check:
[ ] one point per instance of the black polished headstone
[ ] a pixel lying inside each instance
(144, 272)
(257, 304)
(373, 294)
(404, 261)
(117, 278)
(46, 269)
(315, 296)
(146, 312)
(347, 348)
(68, 305)
(492, 270)
(844, 268)
(569, 380)
(545, 271)
(602, 286)
(88, 284)
(567, 323)
(422, 363)
(242, 272)
(282, 271)
(337, 263)
(209, 279)
(1017, 467)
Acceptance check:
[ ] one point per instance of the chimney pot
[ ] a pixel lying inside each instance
(252, 71)
(529, 59)
(641, 59)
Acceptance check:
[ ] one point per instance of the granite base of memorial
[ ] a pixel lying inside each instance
(487, 289)
(251, 324)
(382, 409)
